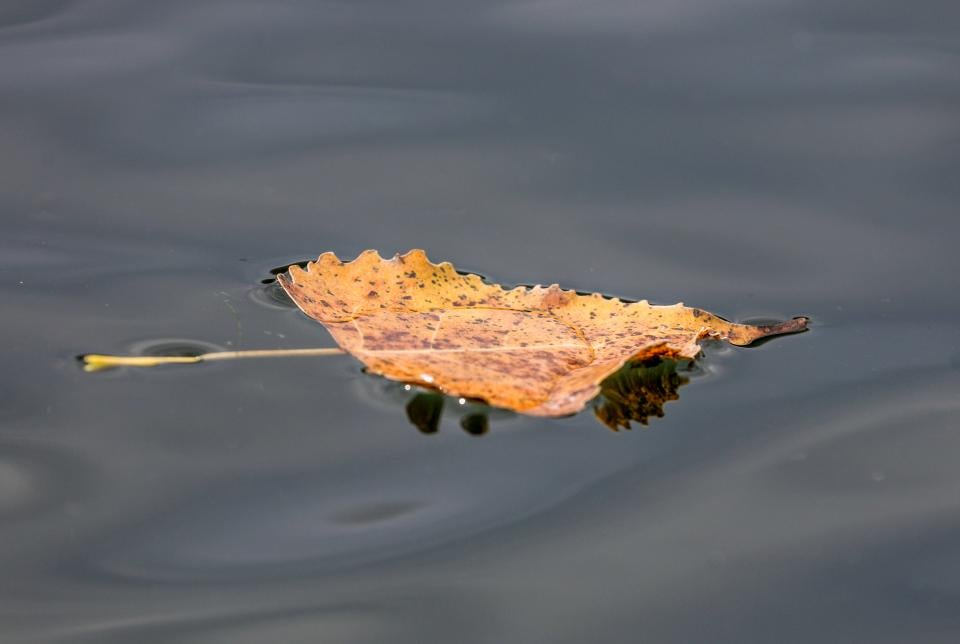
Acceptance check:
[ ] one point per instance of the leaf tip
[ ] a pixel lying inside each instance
(759, 332)
(796, 325)
(793, 325)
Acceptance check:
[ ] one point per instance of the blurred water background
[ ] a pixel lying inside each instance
(757, 159)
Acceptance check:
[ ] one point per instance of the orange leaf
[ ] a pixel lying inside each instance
(539, 351)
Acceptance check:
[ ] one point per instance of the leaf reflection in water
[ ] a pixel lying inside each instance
(635, 393)
(639, 391)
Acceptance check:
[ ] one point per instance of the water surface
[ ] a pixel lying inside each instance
(756, 159)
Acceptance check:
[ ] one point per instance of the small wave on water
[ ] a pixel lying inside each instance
(313, 523)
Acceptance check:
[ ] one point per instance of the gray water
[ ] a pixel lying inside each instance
(756, 159)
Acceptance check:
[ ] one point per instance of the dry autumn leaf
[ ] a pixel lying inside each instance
(539, 351)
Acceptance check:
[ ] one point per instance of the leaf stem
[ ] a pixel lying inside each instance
(98, 362)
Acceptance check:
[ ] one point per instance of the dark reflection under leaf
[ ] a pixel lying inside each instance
(639, 391)
(475, 424)
(424, 411)
(636, 393)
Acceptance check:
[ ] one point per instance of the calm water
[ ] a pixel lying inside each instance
(757, 159)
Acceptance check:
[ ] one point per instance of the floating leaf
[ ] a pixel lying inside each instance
(539, 351)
